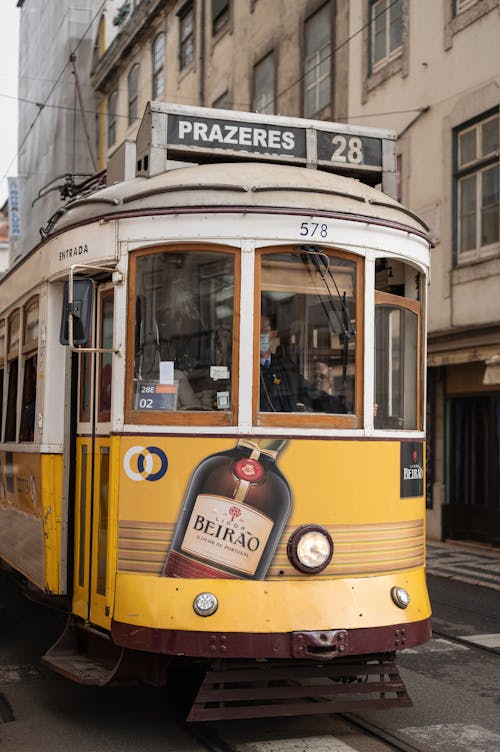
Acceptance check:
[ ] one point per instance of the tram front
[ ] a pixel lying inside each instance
(267, 507)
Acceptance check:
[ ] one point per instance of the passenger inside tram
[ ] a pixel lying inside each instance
(307, 333)
(284, 389)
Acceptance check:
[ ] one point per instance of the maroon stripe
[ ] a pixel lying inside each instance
(182, 566)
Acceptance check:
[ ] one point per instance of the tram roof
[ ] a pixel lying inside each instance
(232, 184)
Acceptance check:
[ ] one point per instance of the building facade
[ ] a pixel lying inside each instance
(57, 143)
(423, 65)
(419, 68)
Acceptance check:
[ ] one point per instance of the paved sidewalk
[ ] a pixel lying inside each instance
(477, 565)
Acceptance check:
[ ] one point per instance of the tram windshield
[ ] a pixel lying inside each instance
(307, 332)
(183, 331)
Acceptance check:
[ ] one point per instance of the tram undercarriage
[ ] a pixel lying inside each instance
(310, 673)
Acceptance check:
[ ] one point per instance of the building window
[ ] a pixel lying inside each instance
(317, 63)
(477, 188)
(459, 6)
(186, 35)
(158, 66)
(133, 93)
(220, 15)
(264, 86)
(112, 99)
(460, 14)
(386, 32)
(222, 103)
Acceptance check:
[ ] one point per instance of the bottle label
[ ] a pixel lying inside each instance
(227, 533)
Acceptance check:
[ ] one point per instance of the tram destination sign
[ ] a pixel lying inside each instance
(272, 140)
(235, 136)
(198, 134)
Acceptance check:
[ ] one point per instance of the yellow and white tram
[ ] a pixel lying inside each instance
(212, 416)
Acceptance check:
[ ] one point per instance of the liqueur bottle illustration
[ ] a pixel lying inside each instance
(236, 507)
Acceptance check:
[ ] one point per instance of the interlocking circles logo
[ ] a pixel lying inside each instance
(145, 463)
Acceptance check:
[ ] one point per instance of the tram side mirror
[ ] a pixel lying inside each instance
(80, 309)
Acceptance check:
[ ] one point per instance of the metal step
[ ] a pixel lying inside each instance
(233, 689)
(85, 655)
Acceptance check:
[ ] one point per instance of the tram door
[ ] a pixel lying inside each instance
(92, 467)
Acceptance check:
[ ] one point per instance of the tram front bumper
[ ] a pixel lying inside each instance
(274, 618)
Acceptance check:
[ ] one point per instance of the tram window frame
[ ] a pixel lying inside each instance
(29, 373)
(3, 335)
(312, 419)
(105, 375)
(11, 412)
(86, 373)
(183, 417)
(398, 302)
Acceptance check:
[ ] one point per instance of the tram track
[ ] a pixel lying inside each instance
(214, 741)
(213, 738)
(466, 643)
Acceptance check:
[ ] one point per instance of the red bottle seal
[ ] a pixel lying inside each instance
(250, 470)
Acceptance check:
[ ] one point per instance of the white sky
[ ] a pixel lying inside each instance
(9, 36)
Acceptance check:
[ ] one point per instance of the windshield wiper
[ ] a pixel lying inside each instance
(322, 263)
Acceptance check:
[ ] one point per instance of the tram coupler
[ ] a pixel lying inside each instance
(325, 644)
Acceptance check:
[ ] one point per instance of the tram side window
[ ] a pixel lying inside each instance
(106, 359)
(397, 344)
(307, 348)
(2, 367)
(12, 376)
(399, 291)
(183, 348)
(30, 355)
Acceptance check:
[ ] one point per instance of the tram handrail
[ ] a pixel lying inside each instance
(117, 278)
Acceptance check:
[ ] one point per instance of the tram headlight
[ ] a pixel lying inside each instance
(400, 597)
(310, 548)
(205, 604)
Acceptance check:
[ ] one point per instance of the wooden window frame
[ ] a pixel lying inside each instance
(103, 416)
(13, 356)
(29, 349)
(310, 420)
(184, 417)
(415, 306)
(3, 326)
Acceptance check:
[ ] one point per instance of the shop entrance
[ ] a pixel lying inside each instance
(472, 511)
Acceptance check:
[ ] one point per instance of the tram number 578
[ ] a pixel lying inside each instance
(347, 149)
